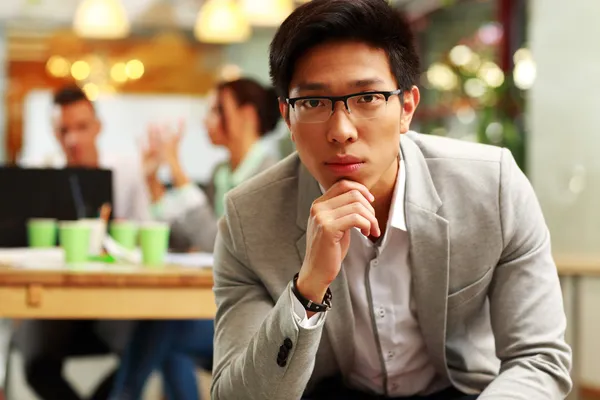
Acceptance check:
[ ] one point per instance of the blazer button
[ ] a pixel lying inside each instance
(281, 362)
(288, 343)
(283, 353)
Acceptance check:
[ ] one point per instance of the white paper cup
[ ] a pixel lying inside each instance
(97, 233)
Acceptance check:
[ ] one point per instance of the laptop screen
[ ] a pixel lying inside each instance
(64, 194)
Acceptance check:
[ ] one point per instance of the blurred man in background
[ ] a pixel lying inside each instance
(46, 344)
(77, 127)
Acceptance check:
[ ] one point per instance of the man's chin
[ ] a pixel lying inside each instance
(328, 181)
(73, 160)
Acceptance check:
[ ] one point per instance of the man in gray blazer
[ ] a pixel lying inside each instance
(377, 262)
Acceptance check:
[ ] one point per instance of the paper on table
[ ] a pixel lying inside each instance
(54, 258)
(120, 253)
(34, 258)
(54, 255)
(85, 267)
(195, 260)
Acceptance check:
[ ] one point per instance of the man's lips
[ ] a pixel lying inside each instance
(344, 165)
(344, 159)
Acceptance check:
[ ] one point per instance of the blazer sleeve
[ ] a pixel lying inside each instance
(526, 304)
(251, 360)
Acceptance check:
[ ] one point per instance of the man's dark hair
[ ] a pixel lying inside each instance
(70, 94)
(264, 100)
(373, 22)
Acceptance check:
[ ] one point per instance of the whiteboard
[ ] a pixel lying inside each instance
(125, 119)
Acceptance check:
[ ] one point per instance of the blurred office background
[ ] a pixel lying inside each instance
(523, 74)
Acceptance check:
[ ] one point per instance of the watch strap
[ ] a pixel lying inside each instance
(310, 305)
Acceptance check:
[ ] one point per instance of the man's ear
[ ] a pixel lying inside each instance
(98, 124)
(410, 101)
(284, 110)
(55, 121)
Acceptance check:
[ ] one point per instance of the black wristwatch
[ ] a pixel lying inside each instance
(309, 305)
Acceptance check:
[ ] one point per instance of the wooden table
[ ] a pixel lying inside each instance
(571, 270)
(110, 292)
(107, 291)
(121, 292)
(578, 266)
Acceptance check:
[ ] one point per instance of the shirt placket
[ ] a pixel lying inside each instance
(379, 313)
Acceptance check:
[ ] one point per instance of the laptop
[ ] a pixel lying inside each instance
(64, 194)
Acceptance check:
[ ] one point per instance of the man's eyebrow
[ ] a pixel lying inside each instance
(315, 86)
(310, 86)
(366, 82)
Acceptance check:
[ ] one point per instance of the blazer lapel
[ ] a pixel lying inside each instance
(340, 319)
(429, 252)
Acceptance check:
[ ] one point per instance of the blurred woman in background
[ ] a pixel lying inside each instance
(242, 113)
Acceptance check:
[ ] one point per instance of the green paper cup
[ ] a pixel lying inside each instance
(41, 232)
(124, 233)
(75, 240)
(154, 240)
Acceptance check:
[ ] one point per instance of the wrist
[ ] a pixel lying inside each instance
(179, 177)
(156, 189)
(312, 291)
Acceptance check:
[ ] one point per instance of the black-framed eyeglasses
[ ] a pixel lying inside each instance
(365, 105)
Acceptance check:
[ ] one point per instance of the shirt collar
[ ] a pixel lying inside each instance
(397, 218)
(397, 214)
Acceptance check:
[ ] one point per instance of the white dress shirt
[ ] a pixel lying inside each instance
(130, 194)
(390, 354)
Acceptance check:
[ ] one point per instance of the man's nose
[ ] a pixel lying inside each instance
(71, 139)
(341, 129)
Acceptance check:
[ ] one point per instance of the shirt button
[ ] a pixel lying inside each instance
(390, 355)
(375, 262)
(381, 313)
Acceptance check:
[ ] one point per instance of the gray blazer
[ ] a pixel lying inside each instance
(486, 289)
(197, 228)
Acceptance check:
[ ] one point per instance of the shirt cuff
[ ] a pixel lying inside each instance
(300, 316)
(177, 202)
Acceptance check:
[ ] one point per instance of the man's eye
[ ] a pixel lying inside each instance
(311, 103)
(370, 98)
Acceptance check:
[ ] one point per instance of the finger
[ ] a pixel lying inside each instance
(180, 128)
(165, 132)
(153, 136)
(359, 209)
(350, 221)
(352, 196)
(344, 186)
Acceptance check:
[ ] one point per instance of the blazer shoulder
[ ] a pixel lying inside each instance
(438, 147)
